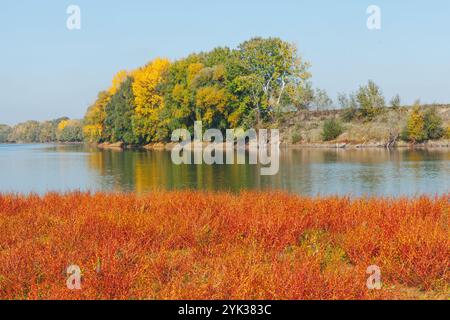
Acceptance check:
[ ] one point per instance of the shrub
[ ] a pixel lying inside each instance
(433, 125)
(332, 129)
(404, 135)
(447, 133)
(349, 114)
(296, 137)
(251, 245)
(423, 126)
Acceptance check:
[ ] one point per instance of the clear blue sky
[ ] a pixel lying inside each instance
(48, 71)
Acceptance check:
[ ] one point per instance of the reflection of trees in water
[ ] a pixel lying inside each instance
(426, 162)
(143, 171)
(305, 171)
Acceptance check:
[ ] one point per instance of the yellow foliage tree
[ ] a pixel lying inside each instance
(62, 125)
(148, 101)
(211, 101)
(416, 126)
(95, 117)
(117, 81)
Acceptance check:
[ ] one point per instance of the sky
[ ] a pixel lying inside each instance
(48, 71)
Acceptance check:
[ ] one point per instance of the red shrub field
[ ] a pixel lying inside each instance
(197, 245)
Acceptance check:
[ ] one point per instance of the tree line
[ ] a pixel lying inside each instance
(252, 86)
(58, 130)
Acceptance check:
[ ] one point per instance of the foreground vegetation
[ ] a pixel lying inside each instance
(188, 245)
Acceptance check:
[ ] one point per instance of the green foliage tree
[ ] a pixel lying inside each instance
(433, 125)
(119, 113)
(349, 106)
(272, 65)
(370, 100)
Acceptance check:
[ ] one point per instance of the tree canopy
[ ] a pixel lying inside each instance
(223, 88)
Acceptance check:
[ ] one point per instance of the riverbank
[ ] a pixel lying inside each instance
(304, 130)
(194, 245)
(336, 145)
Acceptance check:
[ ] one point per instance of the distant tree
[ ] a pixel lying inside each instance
(370, 100)
(301, 95)
(422, 126)
(5, 131)
(415, 128)
(433, 125)
(349, 106)
(395, 102)
(70, 131)
(321, 100)
(27, 132)
(47, 131)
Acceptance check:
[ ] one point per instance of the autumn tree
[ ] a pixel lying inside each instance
(94, 120)
(222, 88)
(117, 81)
(415, 128)
(148, 100)
(178, 89)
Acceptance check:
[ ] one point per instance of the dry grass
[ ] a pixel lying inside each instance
(189, 245)
(307, 126)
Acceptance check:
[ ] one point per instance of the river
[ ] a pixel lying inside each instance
(372, 172)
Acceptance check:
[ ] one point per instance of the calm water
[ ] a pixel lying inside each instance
(42, 168)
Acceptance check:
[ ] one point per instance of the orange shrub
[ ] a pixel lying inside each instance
(193, 245)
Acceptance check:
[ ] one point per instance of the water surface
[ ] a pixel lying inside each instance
(43, 168)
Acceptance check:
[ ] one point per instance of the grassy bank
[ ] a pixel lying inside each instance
(306, 128)
(189, 245)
